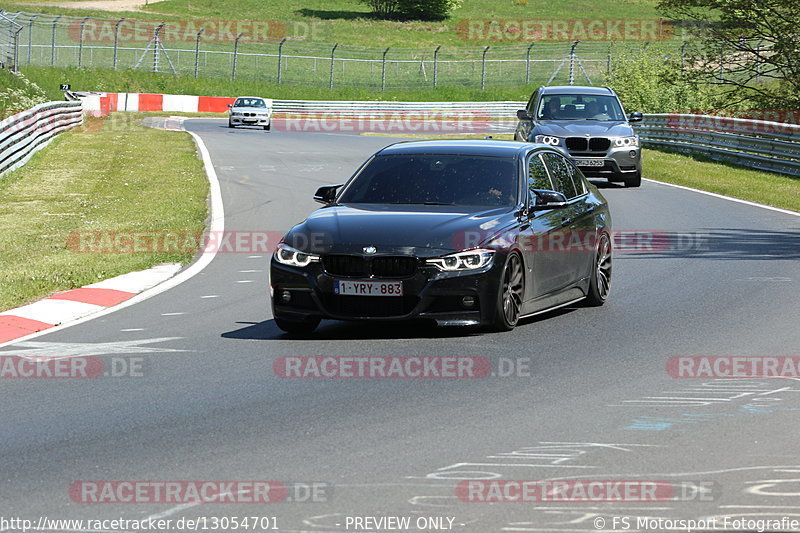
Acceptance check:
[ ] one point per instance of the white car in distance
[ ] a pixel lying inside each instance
(250, 111)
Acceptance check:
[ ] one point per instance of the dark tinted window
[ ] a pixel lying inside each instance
(435, 179)
(537, 175)
(561, 173)
(579, 107)
(249, 102)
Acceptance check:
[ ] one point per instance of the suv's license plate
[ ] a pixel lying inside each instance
(590, 162)
(368, 288)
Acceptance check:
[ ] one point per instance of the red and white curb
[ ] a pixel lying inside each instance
(69, 306)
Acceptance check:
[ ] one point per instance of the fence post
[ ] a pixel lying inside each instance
(53, 47)
(280, 59)
(758, 59)
(528, 64)
(236, 53)
(197, 52)
(333, 52)
(683, 55)
(30, 37)
(383, 69)
(436, 66)
(572, 63)
(15, 43)
(80, 44)
(483, 68)
(608, 65)
(116, 41)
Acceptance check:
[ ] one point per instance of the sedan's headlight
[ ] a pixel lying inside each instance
(287, 255)
(626, 141)
(469, 260)
(547, 139)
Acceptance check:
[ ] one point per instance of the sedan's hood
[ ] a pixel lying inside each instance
(425, 231)
(583, 128)
(250, 109)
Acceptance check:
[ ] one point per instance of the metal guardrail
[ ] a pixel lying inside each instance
(772, 146)
(495, 110)
(25, 133)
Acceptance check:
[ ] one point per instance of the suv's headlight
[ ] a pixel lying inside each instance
(626, 141)
(469, 260)
(547, 139)
(287, 255)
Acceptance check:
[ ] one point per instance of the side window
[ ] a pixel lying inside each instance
(537, 175)
(577, 178)
(561, 172)
(532, 102)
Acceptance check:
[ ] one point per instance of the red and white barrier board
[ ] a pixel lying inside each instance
(101, 104)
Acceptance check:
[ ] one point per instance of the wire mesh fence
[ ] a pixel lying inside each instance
(190, 49)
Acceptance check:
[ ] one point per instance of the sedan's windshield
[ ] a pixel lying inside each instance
(249, 102)
(579, 107)
(435, 180)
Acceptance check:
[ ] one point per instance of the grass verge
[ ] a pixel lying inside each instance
(125, 178)
(722, 178)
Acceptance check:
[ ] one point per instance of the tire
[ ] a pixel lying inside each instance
(635, 180)
(600, 280)
(297, 327)
(267, 127)
(510, 294)
(230, 125)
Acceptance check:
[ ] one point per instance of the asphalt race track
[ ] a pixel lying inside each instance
(596, 403)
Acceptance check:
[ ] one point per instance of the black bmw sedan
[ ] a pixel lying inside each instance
(479, 233)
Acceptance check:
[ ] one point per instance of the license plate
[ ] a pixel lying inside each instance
(368, 288)
(590, 162)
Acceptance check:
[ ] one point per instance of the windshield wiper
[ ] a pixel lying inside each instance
(438, 203)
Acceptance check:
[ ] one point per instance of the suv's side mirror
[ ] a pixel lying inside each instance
(522, 114)
(548, 200)
(636, 116)
(327, 194)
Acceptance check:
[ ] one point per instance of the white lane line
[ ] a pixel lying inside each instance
(210, 296)
(249, 271)
(217, 224)
(255, 256)
(246, 281)
(172, 314)
(729, 198)
(132, 329)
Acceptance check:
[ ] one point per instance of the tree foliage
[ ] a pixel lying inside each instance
(413, 9)
(752, 48)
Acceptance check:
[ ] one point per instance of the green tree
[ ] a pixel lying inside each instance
(427, 9)
(752, 48)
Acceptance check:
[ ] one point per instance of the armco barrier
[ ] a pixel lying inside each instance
(772, 146)
(25, 133)
(103, 103)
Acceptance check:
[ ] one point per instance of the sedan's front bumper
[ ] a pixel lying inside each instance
(428, 294)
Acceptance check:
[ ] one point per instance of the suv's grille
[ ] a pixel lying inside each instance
(379, 267)
(583, 144)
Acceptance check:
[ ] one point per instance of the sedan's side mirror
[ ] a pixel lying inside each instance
(522, 114)
(230, 105)
(548, 200)
(635, 117)
(327, 194)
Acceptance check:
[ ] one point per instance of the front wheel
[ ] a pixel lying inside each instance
(635, 180)
(297, 327)
(230, 125)
(510, 294)
(267, 127)
(600, 280)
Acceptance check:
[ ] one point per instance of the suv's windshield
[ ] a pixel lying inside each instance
(249, 102)
(579, 107)
(435, 180)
